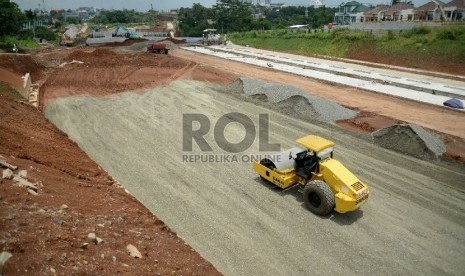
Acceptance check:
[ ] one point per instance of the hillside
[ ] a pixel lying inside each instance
(441, 50)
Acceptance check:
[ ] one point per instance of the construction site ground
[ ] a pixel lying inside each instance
(126, 129)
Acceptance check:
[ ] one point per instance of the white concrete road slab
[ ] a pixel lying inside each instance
(295, 67)
(426, 83)
(374, 86)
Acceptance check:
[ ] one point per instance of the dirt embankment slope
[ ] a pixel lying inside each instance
(105, 72)
(434, 61)
(21, 64)
(46, 232)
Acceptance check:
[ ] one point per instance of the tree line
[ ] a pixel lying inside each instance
(226, 16)
(236, 16)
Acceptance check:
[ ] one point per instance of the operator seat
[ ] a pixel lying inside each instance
(306, 163)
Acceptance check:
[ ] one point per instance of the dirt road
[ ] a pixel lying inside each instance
(413, 223)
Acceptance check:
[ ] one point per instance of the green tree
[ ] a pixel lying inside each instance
(11, 18)
(59, 15)
(191, 21)
(42, 32)
(233, 16)
(287, 16)
(262, 24)
(121, 16)
(73, 20)
(30, 14)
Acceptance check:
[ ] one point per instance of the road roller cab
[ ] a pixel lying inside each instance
(325, 183)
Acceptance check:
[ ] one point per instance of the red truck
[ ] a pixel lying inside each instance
(157, 48)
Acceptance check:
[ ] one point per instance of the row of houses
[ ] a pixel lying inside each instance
(355, 12)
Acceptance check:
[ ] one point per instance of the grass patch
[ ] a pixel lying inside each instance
(334, 44)
(322, 43)
(7, 43)
(447, 44)
(417, 46)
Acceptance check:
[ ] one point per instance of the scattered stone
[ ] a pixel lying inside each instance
(4, 256)
(98, 240)
(113, 258)
(7, 174)
(23, 174)
(101, 225)
(64, 206)
(5, 164)
(133, 252)
(63, 257)
(32, 192)
(92, 237)
(134, 231)
(147, 237)
(57, 220)
(71, 62)
(53, 270)
(84, 245)
(125, 265)
(21, 182)
(102, 256)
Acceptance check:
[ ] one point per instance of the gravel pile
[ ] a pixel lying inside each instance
(300, 106)
(410, 139)
(291, 100)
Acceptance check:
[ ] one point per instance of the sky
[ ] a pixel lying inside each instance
(144, 5)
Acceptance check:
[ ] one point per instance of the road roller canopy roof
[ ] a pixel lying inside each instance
(314, 143)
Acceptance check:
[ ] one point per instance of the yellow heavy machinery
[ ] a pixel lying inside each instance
(66, 41)
(325, 183)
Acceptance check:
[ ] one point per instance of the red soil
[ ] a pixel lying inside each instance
(39, 230)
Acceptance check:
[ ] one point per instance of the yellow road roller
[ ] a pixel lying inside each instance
(325, 183)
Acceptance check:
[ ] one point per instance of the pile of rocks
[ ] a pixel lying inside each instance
(19, 179)
(291, 100)
(410, 139)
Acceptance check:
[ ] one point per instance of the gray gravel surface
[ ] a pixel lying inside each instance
(413, 224)
(290, 100)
